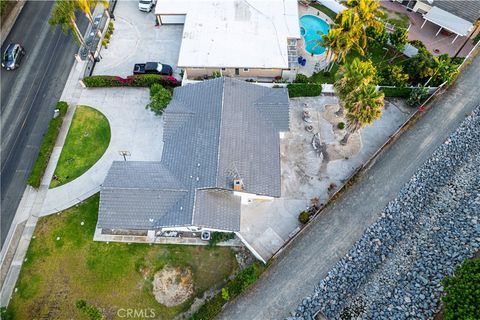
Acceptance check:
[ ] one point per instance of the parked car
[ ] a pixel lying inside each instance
(146, 5)
(12, 56)
(153, 68)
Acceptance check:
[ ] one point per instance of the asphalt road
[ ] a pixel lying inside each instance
(28, 98)
(308, 258)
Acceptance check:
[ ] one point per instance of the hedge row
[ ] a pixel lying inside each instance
(46, 148)
(144, 80)
(239, 284)
(397, 92)
(304, 89)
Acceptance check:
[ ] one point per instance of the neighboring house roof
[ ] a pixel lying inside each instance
(468, 10)
(215, 131)
(234, 33)
(448, 21)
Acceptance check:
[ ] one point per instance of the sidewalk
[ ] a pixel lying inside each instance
(32, 201)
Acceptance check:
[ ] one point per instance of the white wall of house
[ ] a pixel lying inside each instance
(421, 7)
(172, 18)
(248, 197)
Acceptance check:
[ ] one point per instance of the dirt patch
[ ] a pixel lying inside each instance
(173, 286)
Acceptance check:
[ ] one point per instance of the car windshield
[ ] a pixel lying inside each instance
(8, 56)
(145, 2)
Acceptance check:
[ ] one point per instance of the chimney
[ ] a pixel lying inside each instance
(238, 185)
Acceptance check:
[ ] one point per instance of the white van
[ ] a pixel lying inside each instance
(146, 5)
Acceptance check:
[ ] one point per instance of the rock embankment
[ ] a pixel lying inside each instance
(395, 270)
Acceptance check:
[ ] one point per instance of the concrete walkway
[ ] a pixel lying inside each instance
(133, 129)
(308, 258)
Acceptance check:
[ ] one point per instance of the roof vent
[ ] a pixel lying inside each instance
(238, 184)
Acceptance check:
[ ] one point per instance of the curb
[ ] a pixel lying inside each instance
(10, 21)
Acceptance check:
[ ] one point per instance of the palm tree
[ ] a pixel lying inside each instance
(363, 107)
(353, 75)
(63, 14)
(86, 5)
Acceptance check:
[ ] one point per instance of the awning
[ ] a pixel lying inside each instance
(448, 21)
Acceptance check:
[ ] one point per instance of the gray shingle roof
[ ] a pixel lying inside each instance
(215, 131)
(468, 10)
(217, 209)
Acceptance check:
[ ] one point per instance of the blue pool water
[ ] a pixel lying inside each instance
(312, 28)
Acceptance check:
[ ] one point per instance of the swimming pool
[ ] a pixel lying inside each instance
(309, 25)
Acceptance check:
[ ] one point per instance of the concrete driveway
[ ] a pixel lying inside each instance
(137, 40)
(133, 129)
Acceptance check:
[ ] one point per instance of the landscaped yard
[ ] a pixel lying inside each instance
(87, 140)
(64, 265)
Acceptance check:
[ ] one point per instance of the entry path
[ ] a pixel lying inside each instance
(308, 258)
(133, 129)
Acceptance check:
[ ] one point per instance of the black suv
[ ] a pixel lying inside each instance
(12, 56)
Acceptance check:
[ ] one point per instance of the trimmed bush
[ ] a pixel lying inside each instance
(216, 237)
(143, 80)
(396, 92)
(304, 90)
(341, 125)
(159, 98)
(46, 147)
(303, 217)
(301, 78)
(417, 96)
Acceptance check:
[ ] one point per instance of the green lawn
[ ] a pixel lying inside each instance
(87, 140)
(57, 273)
(396, 18)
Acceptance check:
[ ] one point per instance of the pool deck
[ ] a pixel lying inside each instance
(313, 61)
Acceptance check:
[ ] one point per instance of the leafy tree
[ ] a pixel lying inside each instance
(159, 98)
(444, 70)
(86, 5)
(377, 39)
(463, 292)
(353, 75)
(420, 66)
(63, 14)
(393, 75)
(417, 96)
(398, 39)
(363, 106)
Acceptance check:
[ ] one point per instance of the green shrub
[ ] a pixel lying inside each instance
(301, 78)
(303, 217)
(210, 309)
(143, 80)
(159, 98)
(216, 237)
(6, 314)
(304, 89)
(89, 310)
(46, 147)
(396, 92)
(236, 286)
(341, 125)
(463, 292)
(417, 44)
(417, 96)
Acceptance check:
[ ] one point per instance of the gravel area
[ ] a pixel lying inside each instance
(395, 269)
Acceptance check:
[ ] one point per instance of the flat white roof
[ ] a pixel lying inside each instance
(448, 21)
(234, 33)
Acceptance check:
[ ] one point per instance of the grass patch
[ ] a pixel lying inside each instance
(46, 147)
(106, 276)
(87, 140)
(332, 15)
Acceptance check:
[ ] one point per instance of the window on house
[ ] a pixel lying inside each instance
(245, 70)
(223, 69)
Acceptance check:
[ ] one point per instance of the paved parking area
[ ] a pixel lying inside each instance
(266, 225)
(137, 40)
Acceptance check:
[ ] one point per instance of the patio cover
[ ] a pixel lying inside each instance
(448, 21)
